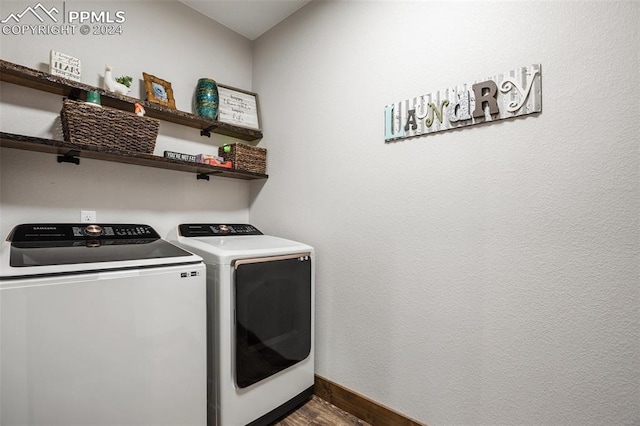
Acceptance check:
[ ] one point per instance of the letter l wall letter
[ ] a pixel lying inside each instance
(388, 124)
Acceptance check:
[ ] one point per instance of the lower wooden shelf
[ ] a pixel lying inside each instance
(71, 150)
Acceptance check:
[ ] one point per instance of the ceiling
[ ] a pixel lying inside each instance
(251, 18)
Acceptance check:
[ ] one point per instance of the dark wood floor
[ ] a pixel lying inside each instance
(319, 412)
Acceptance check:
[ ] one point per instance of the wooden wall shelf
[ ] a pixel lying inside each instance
(27, 77)
(71, 150)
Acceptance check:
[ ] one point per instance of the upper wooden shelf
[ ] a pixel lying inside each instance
(23, 76)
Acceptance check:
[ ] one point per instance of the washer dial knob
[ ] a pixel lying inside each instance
(93, 230)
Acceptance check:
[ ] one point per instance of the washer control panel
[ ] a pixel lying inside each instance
(81, 231)
(128, 231)
(217, 230)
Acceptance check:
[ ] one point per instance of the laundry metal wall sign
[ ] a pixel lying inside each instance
(511, 94)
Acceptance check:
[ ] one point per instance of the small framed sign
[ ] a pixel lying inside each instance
(238, 107)
(64, 65)
(158, 91)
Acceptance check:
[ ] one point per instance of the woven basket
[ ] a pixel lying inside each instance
(245, 157)
(108, 129)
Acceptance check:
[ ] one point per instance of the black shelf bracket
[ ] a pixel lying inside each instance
(70, 157)
(207, 132)
(74, 95)
(205, 176)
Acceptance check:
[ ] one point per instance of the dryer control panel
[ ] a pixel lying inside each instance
(217, 230)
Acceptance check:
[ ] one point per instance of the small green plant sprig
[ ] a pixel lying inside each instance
(125, 79)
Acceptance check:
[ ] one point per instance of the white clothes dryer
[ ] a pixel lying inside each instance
(100, 325)
(260, 295)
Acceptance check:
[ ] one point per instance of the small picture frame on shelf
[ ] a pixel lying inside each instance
(238, 107)
(158, 91)
(65, 66)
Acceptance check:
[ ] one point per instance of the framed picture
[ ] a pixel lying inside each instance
(238, 107)
(64, 66)
(158, 91)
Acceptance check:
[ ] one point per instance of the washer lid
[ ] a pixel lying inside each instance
(37, 249)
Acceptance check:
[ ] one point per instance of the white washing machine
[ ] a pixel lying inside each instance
(100, 325)
(261, 316)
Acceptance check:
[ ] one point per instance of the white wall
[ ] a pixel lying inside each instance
(165, 39)
(483, 276)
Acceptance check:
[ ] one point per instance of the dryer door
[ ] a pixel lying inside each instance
(273, 315)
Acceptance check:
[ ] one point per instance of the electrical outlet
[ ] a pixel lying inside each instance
(88, 216)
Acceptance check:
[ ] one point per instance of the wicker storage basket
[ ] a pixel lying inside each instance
(245, 157)
(108, 129)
